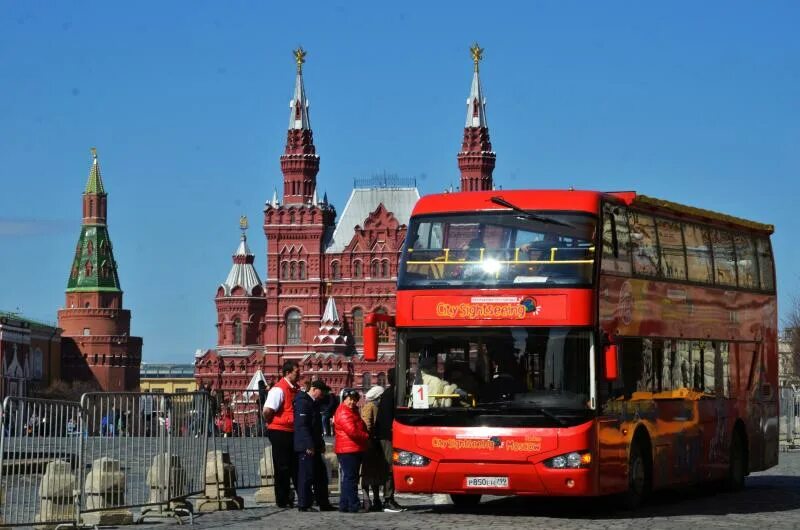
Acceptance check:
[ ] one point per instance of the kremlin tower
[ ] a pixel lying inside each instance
(476, 158)
(97, 345)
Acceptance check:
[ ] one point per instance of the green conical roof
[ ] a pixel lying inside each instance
(94, 267)
(95, 182)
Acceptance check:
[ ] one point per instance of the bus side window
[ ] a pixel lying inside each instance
(670, 240)
(722, 369)
(746, 266)
(724, 258)
(698, 254)
(644, 244)
(765, 272)
(616, 240)
(637, 366)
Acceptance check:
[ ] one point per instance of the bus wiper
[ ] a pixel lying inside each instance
(524, 405)
(528, 215)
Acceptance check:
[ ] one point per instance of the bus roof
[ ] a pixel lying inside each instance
(572, 200)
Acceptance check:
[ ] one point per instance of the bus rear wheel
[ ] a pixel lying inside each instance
(737, 464)
(465, 500)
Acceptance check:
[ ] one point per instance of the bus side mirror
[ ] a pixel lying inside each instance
(611, 368)
(370, 342)
(370, 336)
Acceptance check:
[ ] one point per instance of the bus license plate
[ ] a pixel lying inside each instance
(487, 482)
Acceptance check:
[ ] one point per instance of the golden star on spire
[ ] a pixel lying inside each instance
(243, 223)
(477, 54)
(300, 58)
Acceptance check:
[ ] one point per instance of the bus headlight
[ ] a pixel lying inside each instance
(407, 458)
(572, 460)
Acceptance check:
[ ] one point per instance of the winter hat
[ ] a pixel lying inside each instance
(374, 393)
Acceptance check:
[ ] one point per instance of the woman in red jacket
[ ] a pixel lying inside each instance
(350, 443)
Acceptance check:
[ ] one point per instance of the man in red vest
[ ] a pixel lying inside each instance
(279, 415)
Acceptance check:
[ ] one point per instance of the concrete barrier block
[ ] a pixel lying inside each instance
(57, 492)
(266, 468)
(166, 478)
(51, 511)
(58, 482)
(219, 467)
(220, 485)
(332, 468)
(104, 490)
(105, 476)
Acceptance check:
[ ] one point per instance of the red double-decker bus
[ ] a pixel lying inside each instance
(581, 343)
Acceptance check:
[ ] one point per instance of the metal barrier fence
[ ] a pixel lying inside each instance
(39, 460)
(238, 429)
(90, 462)
(790, 415)
(142, 449)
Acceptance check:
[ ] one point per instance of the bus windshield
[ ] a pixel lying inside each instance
(499, 249)
(520, 371)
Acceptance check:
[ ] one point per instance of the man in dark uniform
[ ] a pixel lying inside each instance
(309, 446)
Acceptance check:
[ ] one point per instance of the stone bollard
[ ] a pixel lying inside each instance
(57, 493)
(105, 491)
(266, 493)
(163, 488)
(332, 465)
(220, 490)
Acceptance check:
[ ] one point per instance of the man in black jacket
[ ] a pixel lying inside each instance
(309, 446)
(383, 431)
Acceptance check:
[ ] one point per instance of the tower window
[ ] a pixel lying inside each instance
(237, 331)
(293, 321)
(358, 324)
(356, 269)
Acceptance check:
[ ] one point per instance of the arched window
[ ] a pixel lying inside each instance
(89, 248)
(284, 270)
(293, 320)
(385, 268)
(302, 270)
(358, 324)
(374, 269)
(336, 272)
(366, 381)
(293, 271)
(291, 217)
(237, 331)
(357, 269)
(383, 327)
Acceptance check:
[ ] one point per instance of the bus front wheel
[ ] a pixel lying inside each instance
(638, 477)
(465, 500)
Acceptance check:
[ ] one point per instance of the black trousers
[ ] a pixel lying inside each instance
(311, 472)
(284, 461)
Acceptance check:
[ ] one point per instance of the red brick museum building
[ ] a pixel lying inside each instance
(323, 275)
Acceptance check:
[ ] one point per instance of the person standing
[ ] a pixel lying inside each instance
(349, 444)
(310, 446)
(279, 414)
(383, 432)
(372, 470)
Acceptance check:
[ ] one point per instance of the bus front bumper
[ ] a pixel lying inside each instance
(502, 479)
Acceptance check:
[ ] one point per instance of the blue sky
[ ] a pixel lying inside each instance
(187, 103)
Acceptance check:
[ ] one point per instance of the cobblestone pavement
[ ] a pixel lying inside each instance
(770, 500)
